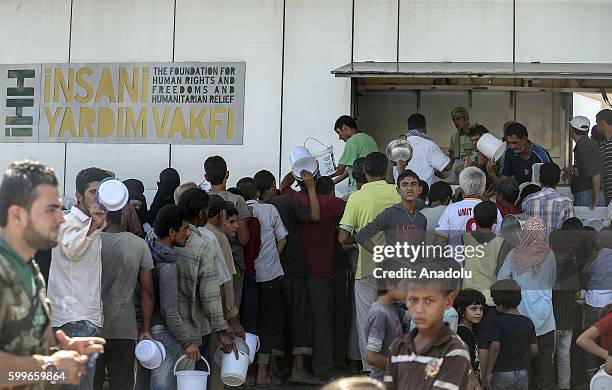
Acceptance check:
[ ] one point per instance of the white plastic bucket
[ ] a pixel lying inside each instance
(150, 353)
(234, 370)
(601, 381)
(300, 160)
(324, 155)
(191, 379)
(491, 146)
(253, 343)
(112, 194)
(535, 172)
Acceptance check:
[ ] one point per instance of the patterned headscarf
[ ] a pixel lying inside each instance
(533, 247)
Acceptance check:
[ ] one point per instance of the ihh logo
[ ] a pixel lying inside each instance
(19, 97)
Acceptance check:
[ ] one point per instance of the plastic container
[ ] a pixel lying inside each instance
(150, 353)
(234, 370)
(191, 379)
(112, 194)
(253, 343)
(491, 146)
(601, 381)
(324, 155)
(300, 160)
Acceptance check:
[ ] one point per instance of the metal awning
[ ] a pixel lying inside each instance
(494, 70)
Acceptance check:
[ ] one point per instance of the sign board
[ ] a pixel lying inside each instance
(124, 103)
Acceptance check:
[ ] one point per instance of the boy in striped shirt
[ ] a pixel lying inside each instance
(431, 356)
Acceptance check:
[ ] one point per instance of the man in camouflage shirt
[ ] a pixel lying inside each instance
(30, 216)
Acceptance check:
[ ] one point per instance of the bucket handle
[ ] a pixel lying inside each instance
(184, 356)
(316, 140)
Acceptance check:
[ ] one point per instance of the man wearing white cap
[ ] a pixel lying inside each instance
(585, 179)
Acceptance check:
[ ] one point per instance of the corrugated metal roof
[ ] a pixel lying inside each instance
(475, 70)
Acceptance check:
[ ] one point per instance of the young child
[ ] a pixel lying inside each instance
(430, 356)
(513, 341)
(470, 305)
(384, 325)
(484, 267)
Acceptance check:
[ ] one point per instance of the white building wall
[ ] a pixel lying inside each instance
(317, 40)
(375, 30)
(456, 30)
(563, 31)
(290, 47)
(116, 31)
(236, 30)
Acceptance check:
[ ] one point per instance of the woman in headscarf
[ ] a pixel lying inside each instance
(168, 181)
(137, 198)
(532, 265)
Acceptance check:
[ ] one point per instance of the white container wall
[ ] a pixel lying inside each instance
(236, 30)
(289, 48)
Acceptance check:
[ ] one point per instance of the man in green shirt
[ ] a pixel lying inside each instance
(358, 144)
(30, 217)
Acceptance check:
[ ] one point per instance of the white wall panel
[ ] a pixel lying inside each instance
(127, 161)
(117, 30)
(456, 30)
(48, 154)
(236, 30)
(317, 40)
(375, 30)
(34, 31)
(563, 31)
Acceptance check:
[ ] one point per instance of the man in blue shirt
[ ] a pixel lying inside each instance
(522, 154)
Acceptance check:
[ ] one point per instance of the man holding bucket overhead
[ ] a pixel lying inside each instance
(358, 144)
(76, 267)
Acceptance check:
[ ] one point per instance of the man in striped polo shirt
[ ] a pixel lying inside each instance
(604, 124)
(522, 154)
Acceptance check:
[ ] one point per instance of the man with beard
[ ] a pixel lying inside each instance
(76, 266)
(30, 218)
(170, 230)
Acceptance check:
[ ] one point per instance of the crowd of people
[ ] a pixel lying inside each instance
(302, 269)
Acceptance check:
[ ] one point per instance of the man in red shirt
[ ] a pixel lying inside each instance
(507, 194)
(318, 241)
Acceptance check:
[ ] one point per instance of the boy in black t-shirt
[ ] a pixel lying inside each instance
(513, 341)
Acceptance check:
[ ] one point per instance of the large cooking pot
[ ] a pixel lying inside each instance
(399, 149)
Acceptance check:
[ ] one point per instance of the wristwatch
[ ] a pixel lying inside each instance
(49, 367)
